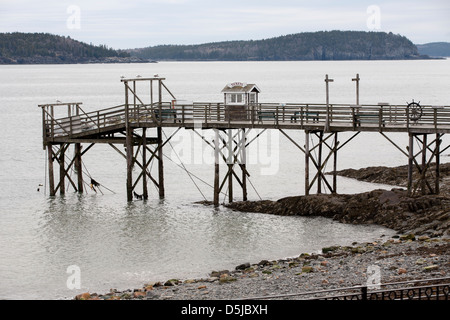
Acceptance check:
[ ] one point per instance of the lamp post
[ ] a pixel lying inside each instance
(357, 88)
(327, 120)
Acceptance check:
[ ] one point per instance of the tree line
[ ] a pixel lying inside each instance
(322, 45)
(25, 46)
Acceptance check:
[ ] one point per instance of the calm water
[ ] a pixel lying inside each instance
(121, 245)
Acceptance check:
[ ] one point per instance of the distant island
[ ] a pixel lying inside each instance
(322, 45)
(45, 48)
(435, 49)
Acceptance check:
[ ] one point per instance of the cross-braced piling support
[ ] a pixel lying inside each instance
(141, 144)
(232, 152)
(427, 157)
(315, 141)
(58, 153)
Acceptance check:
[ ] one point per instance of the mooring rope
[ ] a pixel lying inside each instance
(91, 185)
(189, 174)
(254, 188)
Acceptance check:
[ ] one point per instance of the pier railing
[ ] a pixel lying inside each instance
(295, 115)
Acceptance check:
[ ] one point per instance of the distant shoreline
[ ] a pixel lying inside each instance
(133, 61)
(103, 61)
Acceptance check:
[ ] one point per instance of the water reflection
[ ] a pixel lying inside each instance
(117, 245)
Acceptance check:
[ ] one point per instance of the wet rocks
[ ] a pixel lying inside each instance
(397, 176)
(243, 266)
(425, 215)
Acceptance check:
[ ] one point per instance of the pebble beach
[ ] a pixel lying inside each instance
(401, 258)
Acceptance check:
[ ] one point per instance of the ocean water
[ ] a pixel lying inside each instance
(114, 244)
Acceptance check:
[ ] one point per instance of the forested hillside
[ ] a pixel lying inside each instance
(40, 48)
(19, 48)
(324, 45)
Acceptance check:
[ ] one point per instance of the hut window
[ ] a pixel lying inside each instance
(236, 98)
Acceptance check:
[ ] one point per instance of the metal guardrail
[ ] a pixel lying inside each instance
(431, 289)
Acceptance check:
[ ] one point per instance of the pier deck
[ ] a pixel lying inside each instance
(119, 125)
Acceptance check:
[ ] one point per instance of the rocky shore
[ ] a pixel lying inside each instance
(419, 251)
(424, 215)
(394, 209)
(399, 259)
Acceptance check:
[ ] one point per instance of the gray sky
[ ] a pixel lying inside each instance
(139, 23)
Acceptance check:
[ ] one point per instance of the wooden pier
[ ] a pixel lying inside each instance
(129, 125)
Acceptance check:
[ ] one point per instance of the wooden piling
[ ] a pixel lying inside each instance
(216, 168)
(62, 171)
(160, 164)
(144, 163)
(319, 167)
(51, 176)
(129, 149)
(410, 163)
(306, 162)
(230, 165)
(243, 165)
(423, 178)
(78, 167)
(335, 151)
(327, 119)
(128, 146)
(437, 170)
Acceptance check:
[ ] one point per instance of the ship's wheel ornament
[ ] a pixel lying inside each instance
(415, 111)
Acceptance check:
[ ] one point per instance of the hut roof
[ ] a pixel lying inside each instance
(237, 87)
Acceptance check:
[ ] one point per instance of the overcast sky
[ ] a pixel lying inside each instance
(139, 23)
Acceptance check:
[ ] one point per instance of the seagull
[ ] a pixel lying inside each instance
(156, 75)
(138, 76)
(122, 77)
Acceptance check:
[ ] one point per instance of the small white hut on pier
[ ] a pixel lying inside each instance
(238, 96)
